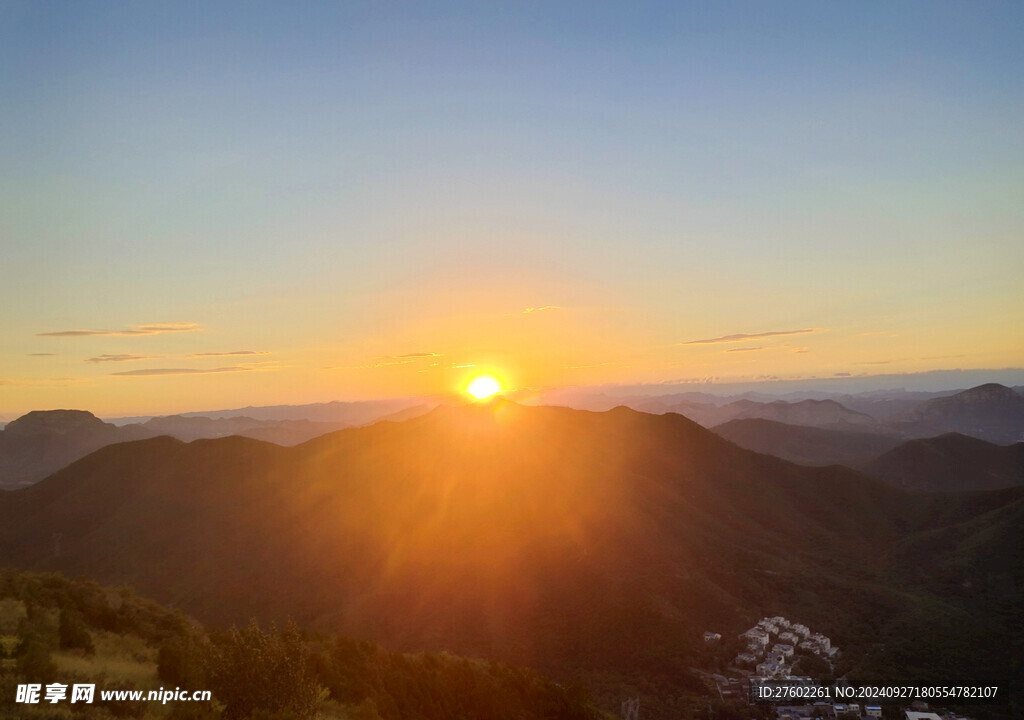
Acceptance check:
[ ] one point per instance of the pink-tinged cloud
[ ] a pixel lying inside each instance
(529, 310)
(180, 371)
(742, 337)
(119, 358)
(151, 329)
(232, 353)
(744, 349)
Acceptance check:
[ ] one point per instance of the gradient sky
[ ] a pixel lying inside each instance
(257, 203)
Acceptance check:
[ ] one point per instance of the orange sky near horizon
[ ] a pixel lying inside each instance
(213, 206)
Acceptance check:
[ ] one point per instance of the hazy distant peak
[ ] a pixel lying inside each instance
(55, 421)
(985, 393)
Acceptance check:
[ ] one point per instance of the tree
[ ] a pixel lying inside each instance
(265, 673)
(73, 633)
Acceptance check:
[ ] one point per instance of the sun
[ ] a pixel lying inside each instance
(483, 387)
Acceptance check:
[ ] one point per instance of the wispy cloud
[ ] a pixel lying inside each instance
(742, 337)
(390, 361)
(226, 354)
(841, 375)
(799, 351)
(372, 365)
(529, 310)
(151, 329)
(120, 358)
(873, 362)
(746, 349)
(42, 354)
(47, 382)
(181, 371)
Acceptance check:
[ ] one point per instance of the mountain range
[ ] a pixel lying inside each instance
(41, 442)
(806, 445)
(989, 412)
(585, 544)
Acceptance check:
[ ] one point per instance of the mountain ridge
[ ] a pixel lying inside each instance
(547, 536)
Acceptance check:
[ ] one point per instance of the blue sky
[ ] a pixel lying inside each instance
(340, 182)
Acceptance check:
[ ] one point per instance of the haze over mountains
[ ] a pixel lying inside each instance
(812, 431)
(990, 412)
(566, 540)
(806, 445)
(41, 442)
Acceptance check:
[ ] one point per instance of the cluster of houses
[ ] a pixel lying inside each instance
(776, 662)
(828, 711)
(838, 711)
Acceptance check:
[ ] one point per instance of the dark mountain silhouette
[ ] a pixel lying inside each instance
(43, 441)
(990, 412)
(950, 463)
(571, 541)
(806, 445)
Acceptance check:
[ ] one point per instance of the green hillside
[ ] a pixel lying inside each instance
(55, 630)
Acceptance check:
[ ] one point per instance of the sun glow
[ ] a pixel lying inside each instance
(483, 387)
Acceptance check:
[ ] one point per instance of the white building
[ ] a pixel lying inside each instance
(783, 650)
(756, 636)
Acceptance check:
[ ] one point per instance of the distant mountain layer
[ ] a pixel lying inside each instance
(991, 412)
(43, 441)
(827, 414)
(279, 432)
(950, 463)
(806, 445)
(347, 413)
(566, 540)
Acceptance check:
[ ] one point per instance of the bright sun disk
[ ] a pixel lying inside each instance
(483, 387)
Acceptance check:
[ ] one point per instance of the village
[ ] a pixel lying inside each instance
(776, 647)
